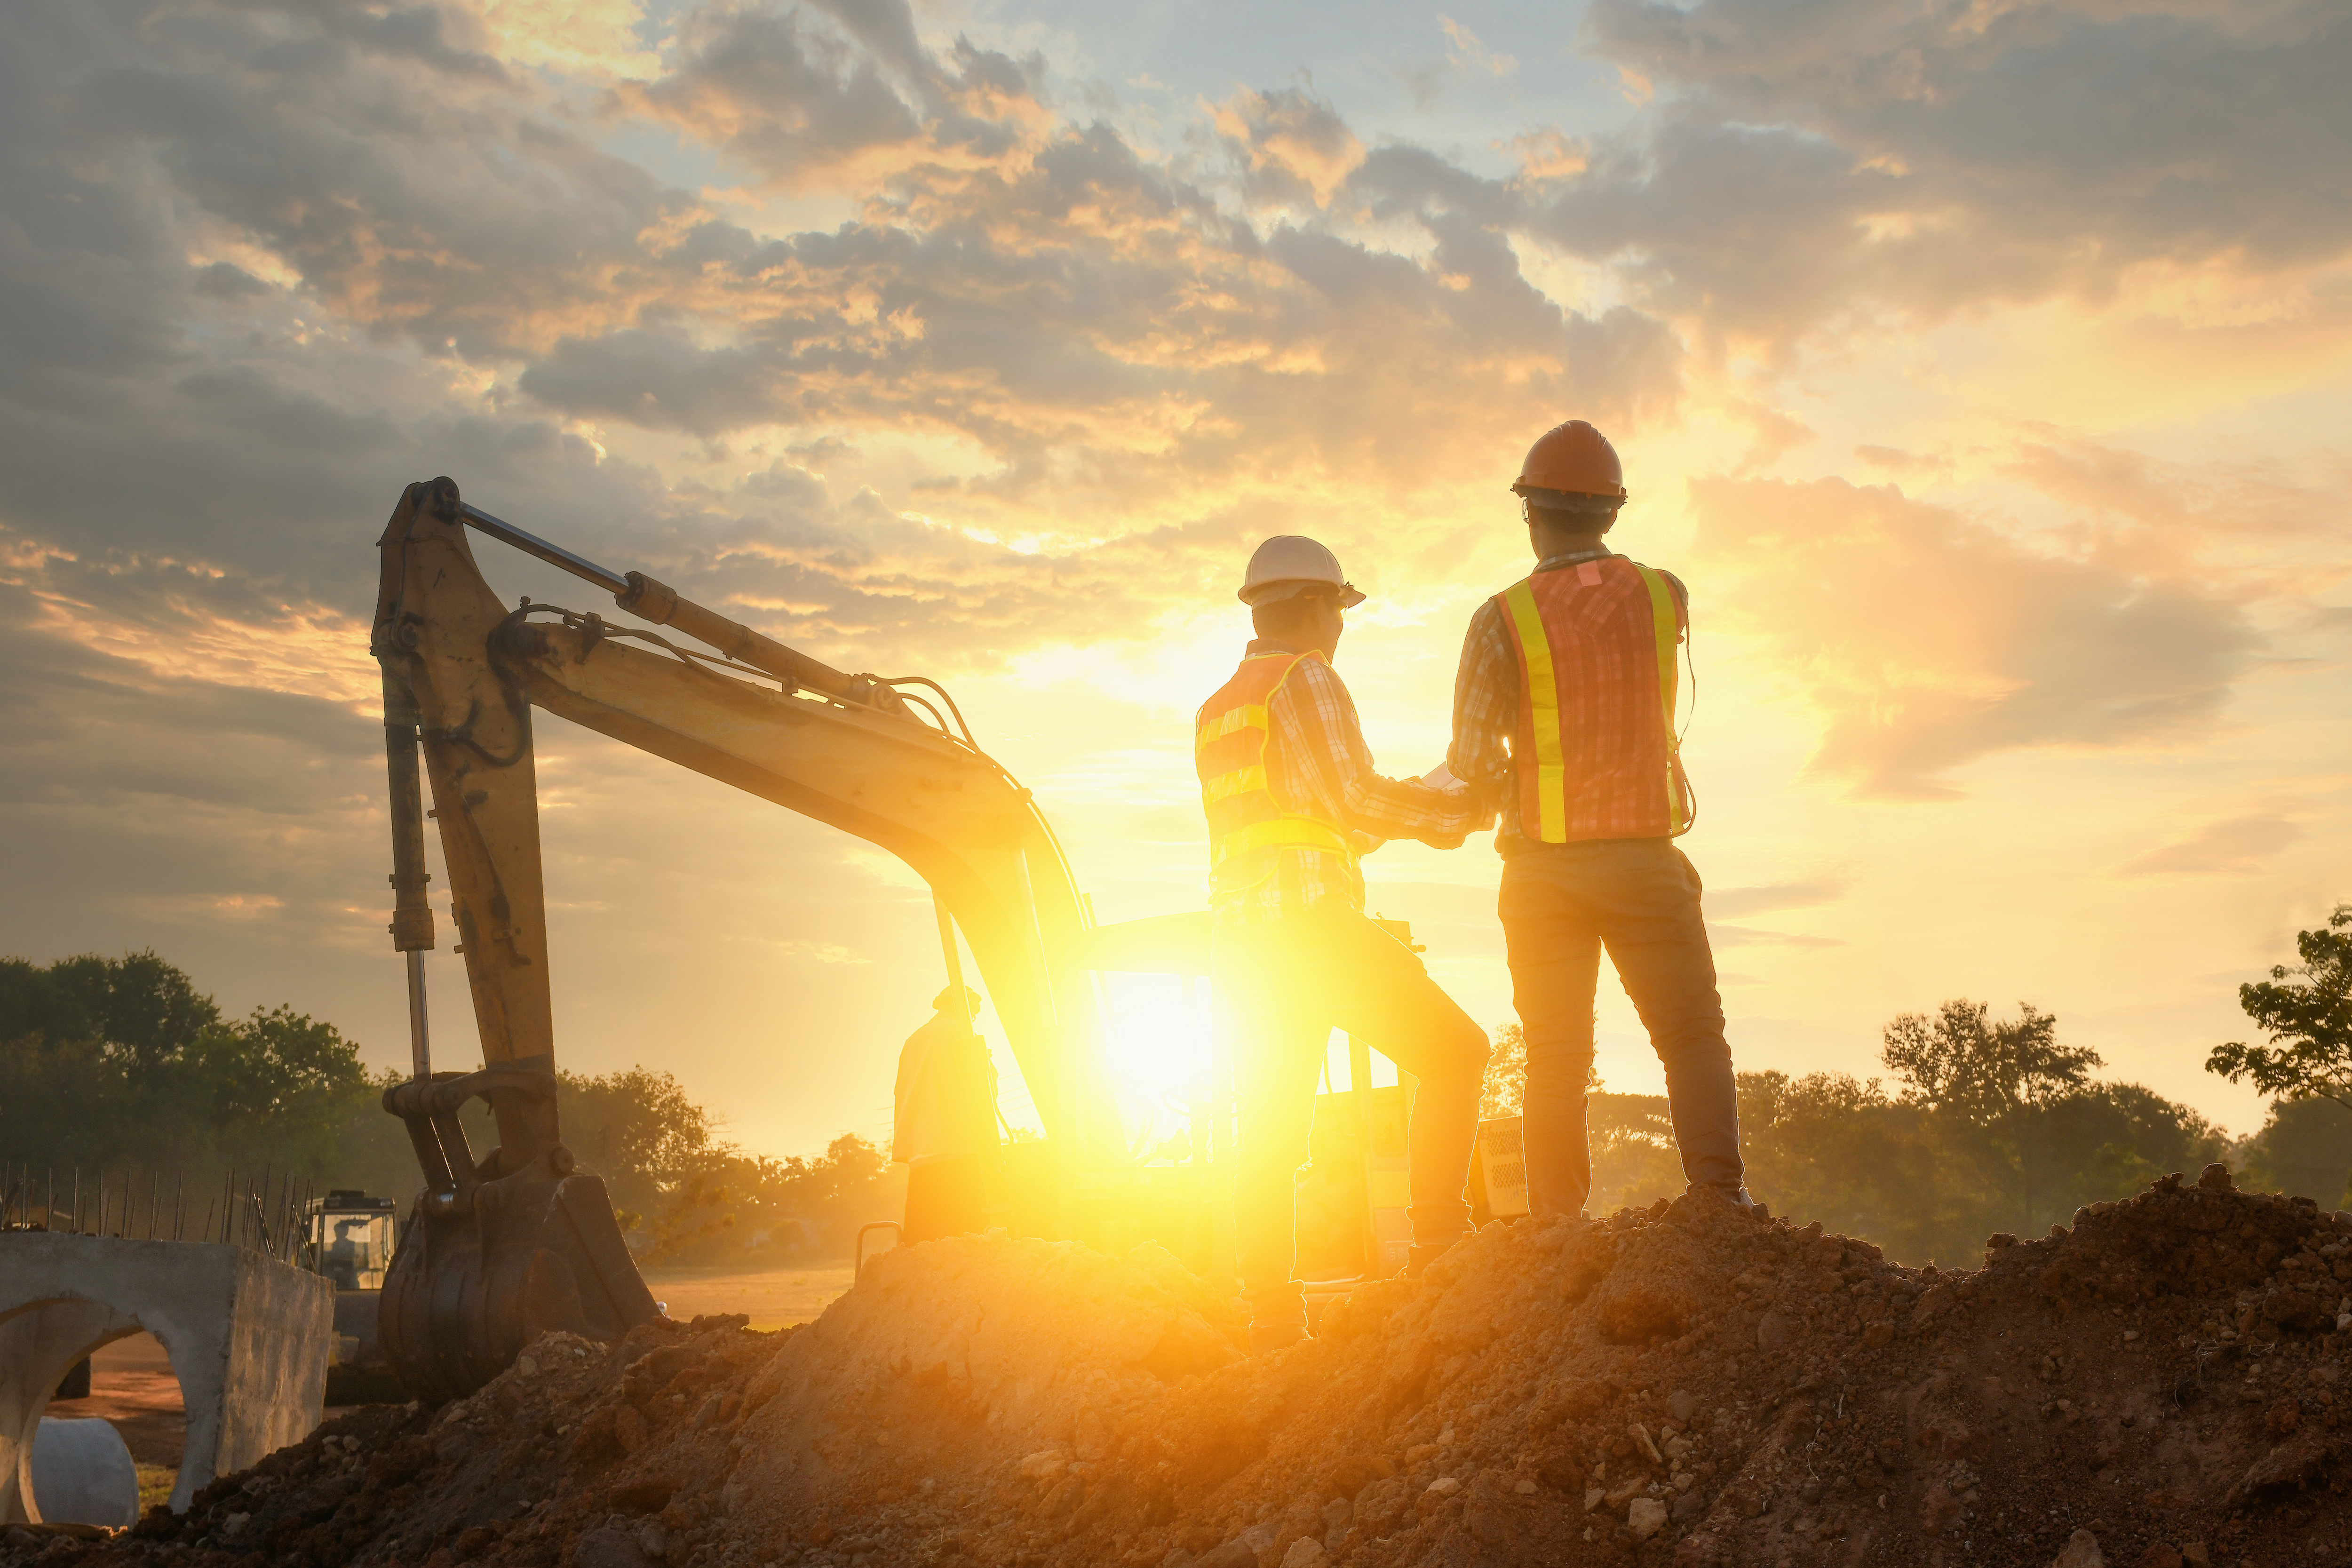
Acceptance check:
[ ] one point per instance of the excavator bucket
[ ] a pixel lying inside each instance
(489, 1261)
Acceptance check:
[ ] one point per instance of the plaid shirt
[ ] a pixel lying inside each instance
(1316, 762)
(1486, 704)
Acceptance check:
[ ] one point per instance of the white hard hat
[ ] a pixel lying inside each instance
(1289, 564)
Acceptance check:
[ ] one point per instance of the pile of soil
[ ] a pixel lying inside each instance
(1687, 1385)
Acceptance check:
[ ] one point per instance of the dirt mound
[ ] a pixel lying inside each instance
(1685, 1385)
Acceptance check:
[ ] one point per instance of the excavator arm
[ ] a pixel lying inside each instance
(462, 673)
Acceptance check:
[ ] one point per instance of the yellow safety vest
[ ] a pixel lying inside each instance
(1246, 824)
(1595, 749)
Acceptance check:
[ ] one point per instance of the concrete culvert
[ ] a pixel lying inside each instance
(247, 1337)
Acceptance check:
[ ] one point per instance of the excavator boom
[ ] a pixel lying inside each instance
(462, 673)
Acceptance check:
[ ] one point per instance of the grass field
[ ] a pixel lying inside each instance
(155, 1484)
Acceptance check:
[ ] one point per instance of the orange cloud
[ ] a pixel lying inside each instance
(2237, 846)
(1926, 639)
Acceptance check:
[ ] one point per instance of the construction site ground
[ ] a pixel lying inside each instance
(1683, 1385)
(133, 1384)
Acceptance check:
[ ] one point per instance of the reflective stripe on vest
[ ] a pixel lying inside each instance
(1666, 627)
(1549, 796)
(1229, 741)
(1542, 693)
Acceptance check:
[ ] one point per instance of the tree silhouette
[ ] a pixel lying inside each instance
(1964, 1062)
(1997, 1077)
(2306, 1010)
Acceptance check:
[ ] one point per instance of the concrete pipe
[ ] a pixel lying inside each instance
(82, 1474)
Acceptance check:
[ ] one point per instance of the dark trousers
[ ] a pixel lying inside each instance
(1560, 905)
(1280, 988)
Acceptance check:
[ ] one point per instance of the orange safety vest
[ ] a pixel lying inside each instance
(1246, 824)
(1595, 749)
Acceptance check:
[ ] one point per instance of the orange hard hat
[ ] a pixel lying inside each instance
(1572, 459)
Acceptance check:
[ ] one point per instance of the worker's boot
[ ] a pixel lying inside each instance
(1738, 1197)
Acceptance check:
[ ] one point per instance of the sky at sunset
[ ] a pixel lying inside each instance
(1984, 366)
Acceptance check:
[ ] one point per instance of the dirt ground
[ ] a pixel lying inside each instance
(2158, 1384)
(133, 1384)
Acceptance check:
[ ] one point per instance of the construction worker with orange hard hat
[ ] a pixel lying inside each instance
(1292, 804)
(1564, 719)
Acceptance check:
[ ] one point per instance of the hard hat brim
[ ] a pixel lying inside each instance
(1527, 490)
(1291, 587)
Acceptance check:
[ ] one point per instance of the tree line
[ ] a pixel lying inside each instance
(1983, 1125)
(118, 1072)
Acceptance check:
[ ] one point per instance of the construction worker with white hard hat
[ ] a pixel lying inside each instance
(1293, 806)
(1564, 719)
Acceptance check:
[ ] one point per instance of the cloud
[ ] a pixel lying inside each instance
(2233, 846)
(593, 37)
(1811, 893)
(1293, 144)
(279, 262)
(1103, 329)
(1041, 367)
(1748, 936)
(1811, 158)
(1926, 639)
(2245, 505)
(1468, 51)
(790, 94)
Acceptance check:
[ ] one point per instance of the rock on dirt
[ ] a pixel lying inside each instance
(2159, 1384)
(2081, 1550)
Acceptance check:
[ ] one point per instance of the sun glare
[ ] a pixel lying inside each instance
(1163, 1059)
(1157, 1054)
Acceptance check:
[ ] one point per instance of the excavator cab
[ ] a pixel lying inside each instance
(350, 1238)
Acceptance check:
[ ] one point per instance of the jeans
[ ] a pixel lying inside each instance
(1561, 904)
(1280, 988)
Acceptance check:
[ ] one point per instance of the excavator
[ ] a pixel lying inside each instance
(505, 1245)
